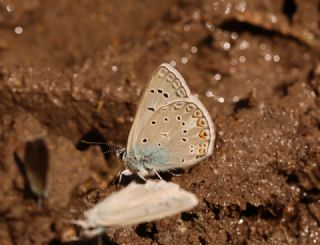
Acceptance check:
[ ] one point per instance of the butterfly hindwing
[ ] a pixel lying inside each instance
(182, 131)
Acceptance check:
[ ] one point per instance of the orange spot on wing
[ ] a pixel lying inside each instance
(203, 135)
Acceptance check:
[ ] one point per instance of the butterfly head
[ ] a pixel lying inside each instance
(120, 153)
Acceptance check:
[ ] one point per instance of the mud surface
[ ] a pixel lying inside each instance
(72, 70)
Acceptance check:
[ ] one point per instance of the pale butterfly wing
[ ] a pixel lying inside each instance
(178, 135)
(174, 132)
(140, 203)
(165, 86)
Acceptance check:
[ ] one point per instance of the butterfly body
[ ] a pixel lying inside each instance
(172, 129)
(144, 161)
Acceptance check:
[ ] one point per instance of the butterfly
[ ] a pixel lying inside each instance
(172, 129)
(136, 204)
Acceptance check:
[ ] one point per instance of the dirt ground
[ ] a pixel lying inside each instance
(74, 70)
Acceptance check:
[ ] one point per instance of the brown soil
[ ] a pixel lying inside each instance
(72, 70)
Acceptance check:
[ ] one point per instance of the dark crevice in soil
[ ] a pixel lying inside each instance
(313, 81)
(91, 138)
(214, 209)
(229, 238)
(250, 211)
(107, 241)
(233, 25)
(241, 27)
(289, 8)
(283, 89)
(186, 216)
(292, 178)
(1, 74)
(94, 137)
(311, 75)
(310, 196)
(148, 230)
(202, 241)
(267, 212)
(242, 104)
(206, 42)
(307, 196)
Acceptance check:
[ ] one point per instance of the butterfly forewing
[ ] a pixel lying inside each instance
(165, 87)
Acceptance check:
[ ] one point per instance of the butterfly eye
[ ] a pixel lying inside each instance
(202, 122)
(170, 77)
(162, 72)
(181, 92)
(190, 107)
(197, 113)
(176, 84)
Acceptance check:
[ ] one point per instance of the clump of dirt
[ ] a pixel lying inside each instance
(72, 71)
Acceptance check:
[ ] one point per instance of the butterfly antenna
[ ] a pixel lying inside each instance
(112, 147)
(93, 142)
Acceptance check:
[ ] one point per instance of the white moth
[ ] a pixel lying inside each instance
(136, 204)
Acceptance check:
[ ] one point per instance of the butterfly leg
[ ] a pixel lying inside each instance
(158, 174)
(141, 175)
(125, 172)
